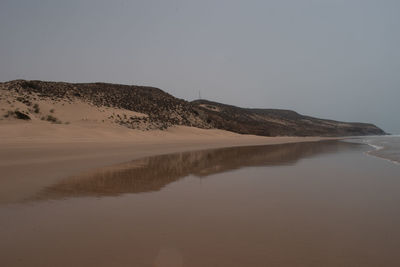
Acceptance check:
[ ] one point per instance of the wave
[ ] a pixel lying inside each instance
(387, 148)
(376, 147)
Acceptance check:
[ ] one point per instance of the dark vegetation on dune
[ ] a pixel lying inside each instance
(165, 110)
(274, 122)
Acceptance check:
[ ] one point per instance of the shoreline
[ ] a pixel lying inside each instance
(376, 152)
(33, 157)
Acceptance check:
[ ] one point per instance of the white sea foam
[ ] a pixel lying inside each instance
(383, 149)
(376, 147)
(391, 160)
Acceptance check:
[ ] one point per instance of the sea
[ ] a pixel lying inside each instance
(329, 203)
(385, 147)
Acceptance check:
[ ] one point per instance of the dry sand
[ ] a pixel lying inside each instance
(36, 154)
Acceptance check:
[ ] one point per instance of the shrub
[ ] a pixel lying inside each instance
(36, 108)
(30, 84)
(51, 119)
(24, 100)
(21, 116)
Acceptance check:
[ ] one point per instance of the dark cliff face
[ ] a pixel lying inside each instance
(276, 122)
(165, 110)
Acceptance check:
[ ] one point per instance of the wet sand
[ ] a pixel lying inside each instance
(36, 155)
(303, 204)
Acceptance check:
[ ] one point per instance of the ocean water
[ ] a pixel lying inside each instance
(314, 204)
(385, 147)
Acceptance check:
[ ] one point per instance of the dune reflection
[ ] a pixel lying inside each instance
(153, 173)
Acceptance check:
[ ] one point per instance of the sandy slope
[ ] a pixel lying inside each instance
(64, 111)
(36, 154)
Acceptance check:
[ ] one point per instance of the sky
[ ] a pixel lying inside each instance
(335, 59)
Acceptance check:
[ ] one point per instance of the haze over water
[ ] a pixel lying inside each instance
(306, 204)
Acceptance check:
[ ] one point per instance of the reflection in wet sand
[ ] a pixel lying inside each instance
(337, 208)
(153, 173)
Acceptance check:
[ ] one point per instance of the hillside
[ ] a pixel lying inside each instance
(275, 122)
(149, 108)
(136, 107)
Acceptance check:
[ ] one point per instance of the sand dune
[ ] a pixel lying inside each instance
(149, 108)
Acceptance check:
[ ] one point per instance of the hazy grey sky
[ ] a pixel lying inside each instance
(337, 59)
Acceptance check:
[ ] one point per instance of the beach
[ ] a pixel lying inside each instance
(34, 155)
(326, 203)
